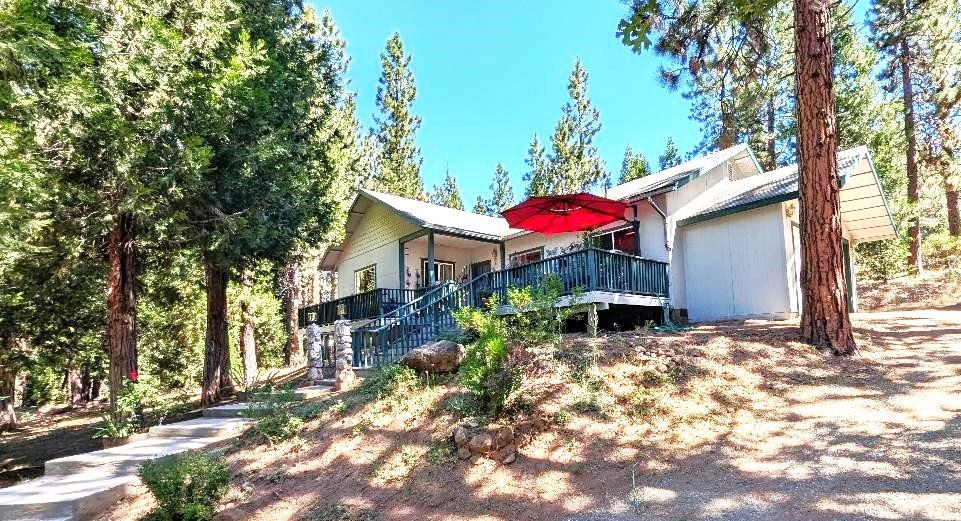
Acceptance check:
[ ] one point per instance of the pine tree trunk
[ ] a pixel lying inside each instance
(954, 212)
(771, 162)
(122, 304)
(216, 382)
(248, 344)
(8, 389)
(75, 387)
(914, 229)
(824, 313)
(291, 296)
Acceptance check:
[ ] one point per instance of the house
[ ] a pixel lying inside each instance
(712, 238)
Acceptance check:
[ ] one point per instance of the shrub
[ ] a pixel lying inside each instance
(390, 380)
(187, 487)
(941, 251)
(274, 410)
(484, 372)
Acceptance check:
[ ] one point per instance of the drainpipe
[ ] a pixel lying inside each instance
(663, 216)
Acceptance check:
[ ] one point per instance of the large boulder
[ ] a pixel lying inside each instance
(442, 356)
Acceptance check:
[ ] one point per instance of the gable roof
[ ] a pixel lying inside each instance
(864, 208)
(442, 218)
(425, 215)
(671, 178)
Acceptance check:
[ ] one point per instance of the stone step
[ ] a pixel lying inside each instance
(201, 428)
(79, 496)
(126, 459)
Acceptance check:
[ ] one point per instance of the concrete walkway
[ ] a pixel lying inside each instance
(79, 487)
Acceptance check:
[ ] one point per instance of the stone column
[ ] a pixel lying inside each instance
(315, 354)
(344, 375)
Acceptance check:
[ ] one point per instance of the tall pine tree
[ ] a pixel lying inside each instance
(633, 166)
(670, 157)
(573, 165)
(396, 126)
(447, 194)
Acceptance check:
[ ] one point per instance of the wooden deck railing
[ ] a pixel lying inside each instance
(591, 269)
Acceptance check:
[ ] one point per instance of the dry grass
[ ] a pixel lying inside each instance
(932, 290)
(745, 423)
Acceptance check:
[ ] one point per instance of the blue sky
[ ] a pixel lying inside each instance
(490, 74)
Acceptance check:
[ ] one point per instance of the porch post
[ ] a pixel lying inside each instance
(636, 226)
(401, 269)
(431, 275)
(503, 253)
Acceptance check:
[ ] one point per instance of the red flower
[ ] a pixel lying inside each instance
(133, 376)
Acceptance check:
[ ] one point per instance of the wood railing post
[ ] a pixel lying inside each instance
(591, 269)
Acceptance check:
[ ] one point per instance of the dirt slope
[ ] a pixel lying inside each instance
(758, 426)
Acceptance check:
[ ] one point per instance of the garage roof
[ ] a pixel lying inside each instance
(864, 209)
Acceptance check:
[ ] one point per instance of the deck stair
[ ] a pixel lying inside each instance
(79, 487)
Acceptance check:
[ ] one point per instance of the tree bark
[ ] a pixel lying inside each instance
(291, 296)
(248, 344)
(824, 314)
(954, 212)
(216, 382)
(8, 389)
(75, 387)
(911, 158)
(771, 162)
(122, 304)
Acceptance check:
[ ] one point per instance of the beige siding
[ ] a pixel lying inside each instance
(734, 266)
(375, 242)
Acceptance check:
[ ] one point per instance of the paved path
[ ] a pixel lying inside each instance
(81, 486)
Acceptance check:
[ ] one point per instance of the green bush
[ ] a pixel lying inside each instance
(389, 380)
(187, 487)
(274, 408)
(484, 372)
(941, 251)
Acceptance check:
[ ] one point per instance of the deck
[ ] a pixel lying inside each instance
(603, 275)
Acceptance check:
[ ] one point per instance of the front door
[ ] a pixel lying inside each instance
(479, 268)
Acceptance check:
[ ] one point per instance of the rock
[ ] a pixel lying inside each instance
(480, 443)
(442, 356)
(476, 460)
(463, 452)
(460, 436)
(510, 458)
(505, 452)
(504, 436)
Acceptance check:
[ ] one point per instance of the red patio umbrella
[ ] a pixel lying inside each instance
(564, 213)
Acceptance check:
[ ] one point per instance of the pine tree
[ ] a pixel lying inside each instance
(670, 157)
(538, 174)
(939, 116)
(633, 166)
(502, 193)
(825, 317)
(897, 31)
(447, 194)
(396, 126)
(480, 207)
(574, 164)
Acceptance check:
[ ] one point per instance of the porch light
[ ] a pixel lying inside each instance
(312, 317)
(341, 309)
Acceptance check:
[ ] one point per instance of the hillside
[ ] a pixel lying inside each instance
(724, 421)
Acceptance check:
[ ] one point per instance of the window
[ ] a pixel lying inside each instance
(365, 279)
(445, 269)
(526, 257)
(618, 240)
